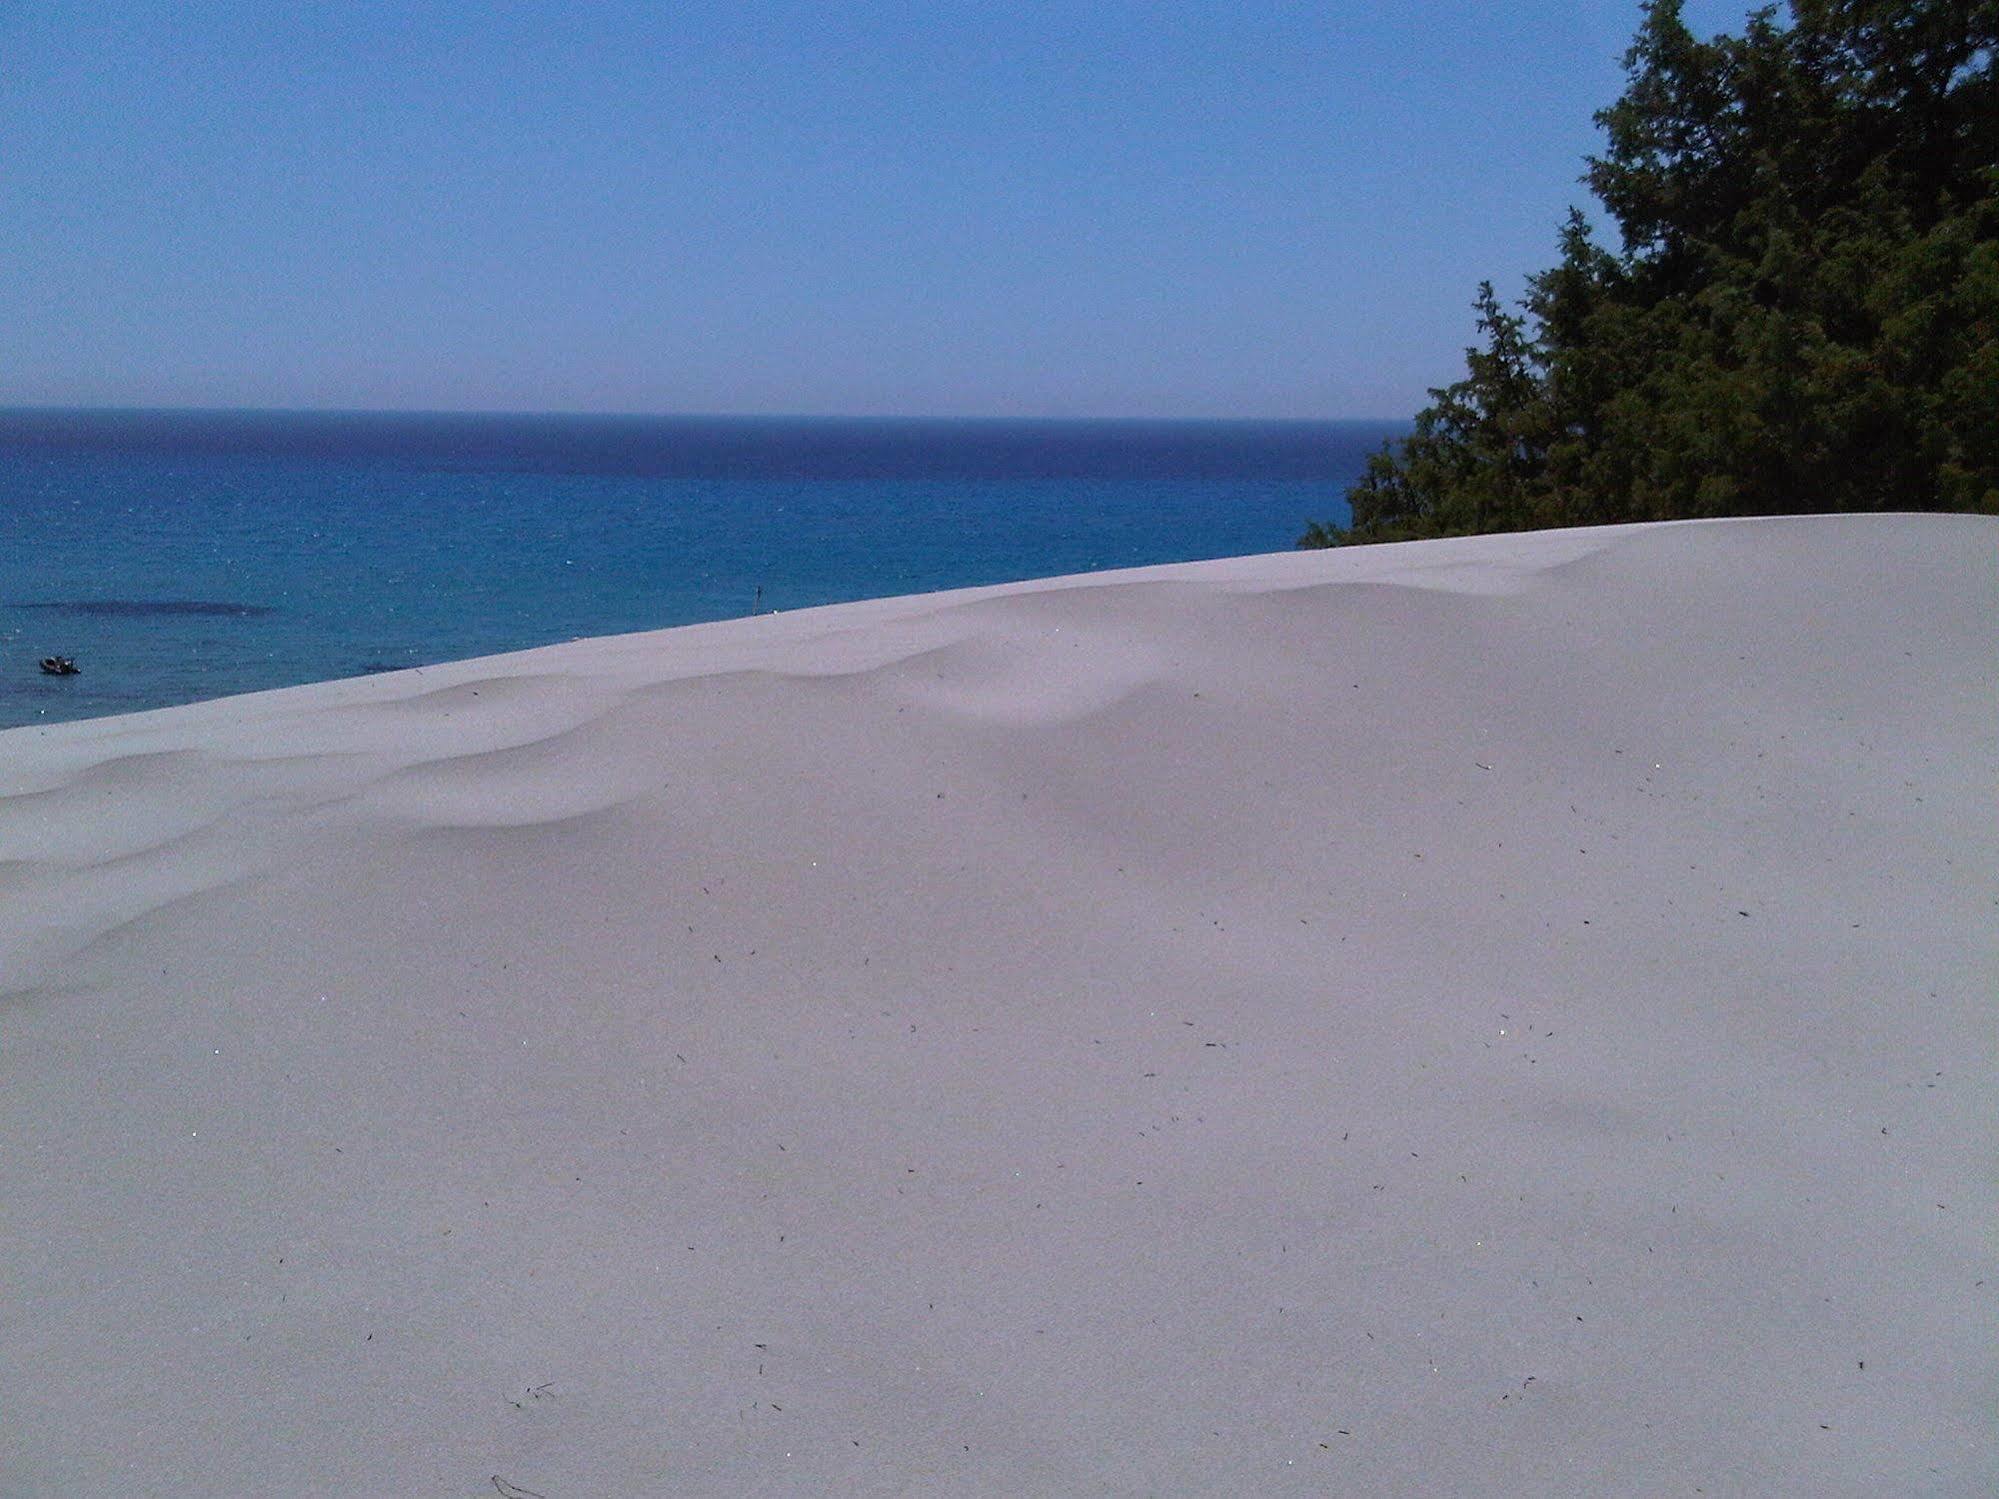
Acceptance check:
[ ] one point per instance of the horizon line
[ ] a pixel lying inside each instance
(51, 408)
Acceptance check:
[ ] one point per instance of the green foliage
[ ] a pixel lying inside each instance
(1802, 315)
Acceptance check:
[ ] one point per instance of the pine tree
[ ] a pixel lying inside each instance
(1802, 312)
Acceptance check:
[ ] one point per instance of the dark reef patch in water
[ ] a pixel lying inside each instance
(152, 608)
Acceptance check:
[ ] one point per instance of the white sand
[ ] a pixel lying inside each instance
(1504, 1016)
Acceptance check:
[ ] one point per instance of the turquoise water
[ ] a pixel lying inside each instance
(182, 556)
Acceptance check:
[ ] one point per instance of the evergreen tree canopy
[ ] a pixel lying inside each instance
(1802, 313)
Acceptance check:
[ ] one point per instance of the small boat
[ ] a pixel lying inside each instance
(59, 666)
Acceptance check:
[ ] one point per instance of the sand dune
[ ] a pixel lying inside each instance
(1496, 1016)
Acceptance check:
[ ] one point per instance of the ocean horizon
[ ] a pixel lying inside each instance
(185, 555)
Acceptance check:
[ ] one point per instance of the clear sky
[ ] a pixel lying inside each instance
(1064, 208)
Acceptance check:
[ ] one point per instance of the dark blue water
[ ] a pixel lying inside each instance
(186, 555)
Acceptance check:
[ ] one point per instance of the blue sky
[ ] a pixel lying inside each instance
(1054, 209)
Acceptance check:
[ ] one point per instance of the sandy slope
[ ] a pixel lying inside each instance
(1507, 1016)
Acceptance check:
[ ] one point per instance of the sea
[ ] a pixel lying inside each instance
(183, 555)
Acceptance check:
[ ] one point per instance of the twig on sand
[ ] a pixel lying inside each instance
(513, 1491)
